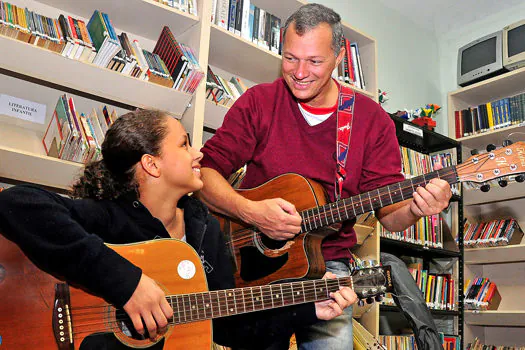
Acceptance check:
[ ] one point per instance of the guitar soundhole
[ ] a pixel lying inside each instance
(126, 326)
(271, 243)
(255, 265)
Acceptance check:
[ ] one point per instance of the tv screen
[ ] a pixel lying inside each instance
(516, 40)
(479, 55)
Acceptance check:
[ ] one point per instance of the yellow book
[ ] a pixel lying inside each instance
(490, 116)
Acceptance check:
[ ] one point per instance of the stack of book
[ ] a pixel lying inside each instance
(490, 116)
(250, 22)
(478, 345)
(428, 231)
(492, 233)
(481, 294)
(222, 91)
(350, 71)
(98, 43)
(75, 136)
(189, 6)
(408, 342)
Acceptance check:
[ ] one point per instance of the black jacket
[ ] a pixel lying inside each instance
(66, 237)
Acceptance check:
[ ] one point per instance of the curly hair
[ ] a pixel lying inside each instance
(309, 16)
(130, 137)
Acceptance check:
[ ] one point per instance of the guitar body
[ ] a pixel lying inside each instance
(266, 261)
(27, 297)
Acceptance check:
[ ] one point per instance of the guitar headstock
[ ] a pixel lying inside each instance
(496, 163)
(372, 282)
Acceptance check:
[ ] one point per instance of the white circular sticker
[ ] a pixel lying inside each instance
(186, 269)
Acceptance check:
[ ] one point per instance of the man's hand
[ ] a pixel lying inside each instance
(431, 199)
(276, 218)
(329, 309)
(149, 303)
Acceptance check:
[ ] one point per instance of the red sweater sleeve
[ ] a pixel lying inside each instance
(234, 143)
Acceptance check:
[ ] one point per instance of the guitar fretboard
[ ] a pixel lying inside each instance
(206, 305)
(350, 208)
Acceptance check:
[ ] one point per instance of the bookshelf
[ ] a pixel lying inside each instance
(45, 75)
(504, 265)
(448, 321)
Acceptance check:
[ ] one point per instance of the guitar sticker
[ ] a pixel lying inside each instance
(186, 269)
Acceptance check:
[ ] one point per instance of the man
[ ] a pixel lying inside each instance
(290, 125)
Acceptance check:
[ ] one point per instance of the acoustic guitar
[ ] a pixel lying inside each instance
(261, 260)
(38, 311)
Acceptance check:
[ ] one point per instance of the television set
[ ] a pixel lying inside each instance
(481, 59)
(514, 45)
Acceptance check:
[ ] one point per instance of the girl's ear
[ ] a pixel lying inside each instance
(149, 164)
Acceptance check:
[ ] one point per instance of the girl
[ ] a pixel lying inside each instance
(138, 192)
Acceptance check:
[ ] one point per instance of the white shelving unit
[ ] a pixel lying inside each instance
(505, 266)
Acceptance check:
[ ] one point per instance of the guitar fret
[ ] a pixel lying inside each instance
(338, 210)
(370, 198)
(178, 308)
(206, 298)
(331, 214)
(353, 207)
(346, 212)
(225, 304)
(315, 289)
(412, 184)
(262, 298)
(319, 214)
(304, 295)
(309, 221)
(243, 300)
(390, 194)
(379, 196)
(325, 214)
(184, 308)
(401, 190)
(196, 306)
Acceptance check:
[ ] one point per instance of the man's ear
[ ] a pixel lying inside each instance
(149, 164)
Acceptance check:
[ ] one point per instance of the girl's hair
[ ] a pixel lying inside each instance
(130, 137)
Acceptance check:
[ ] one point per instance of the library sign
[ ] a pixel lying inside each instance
(22, 109)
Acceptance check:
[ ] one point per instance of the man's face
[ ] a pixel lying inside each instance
(308, 62)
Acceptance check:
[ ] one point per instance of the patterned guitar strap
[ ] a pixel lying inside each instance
(345, 113)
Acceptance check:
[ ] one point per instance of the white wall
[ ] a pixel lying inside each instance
(408, 67)
(450, 42)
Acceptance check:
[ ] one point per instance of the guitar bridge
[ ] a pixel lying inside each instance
(62, 324)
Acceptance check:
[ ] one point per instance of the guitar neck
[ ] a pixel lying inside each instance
(206, 305)
(350, 208)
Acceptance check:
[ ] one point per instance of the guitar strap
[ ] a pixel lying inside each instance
(345, 113)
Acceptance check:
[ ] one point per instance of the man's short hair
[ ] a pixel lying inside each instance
(309, 16)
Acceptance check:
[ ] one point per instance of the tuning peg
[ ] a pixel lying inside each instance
(369, 300)
(491, 147)
(361, 303)
(503, 182)
(485, 188)
(379, 298)
(519, 178)
(474, 152)
(507, 143)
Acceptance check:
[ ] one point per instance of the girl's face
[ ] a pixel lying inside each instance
(179, 162)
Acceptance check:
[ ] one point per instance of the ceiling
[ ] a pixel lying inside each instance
(442, 16)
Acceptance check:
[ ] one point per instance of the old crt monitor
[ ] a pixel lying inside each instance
(514, 45)
(480, 59)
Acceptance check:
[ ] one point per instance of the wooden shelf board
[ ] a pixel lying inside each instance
(394, 308)
(28, 60)
(214, 114)
(495, 255)
(123, 15)
(514, 318)
(505, 85)
(38, 169)
(513, 190)
(480, 141)
(230, 52)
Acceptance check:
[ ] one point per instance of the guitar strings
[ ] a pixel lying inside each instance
(246, 235)
(310, 291)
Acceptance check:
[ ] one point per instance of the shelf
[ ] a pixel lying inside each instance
(496, 137)
(495, 255)
(393, 246)
(214, 114)
(89, 79)
(504, 85)
(392, 308)
(264, 67)
(123, 15)
(495, 318)
(513, 190)
(429, 143)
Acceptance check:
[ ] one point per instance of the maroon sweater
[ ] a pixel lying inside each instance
(266, 130)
